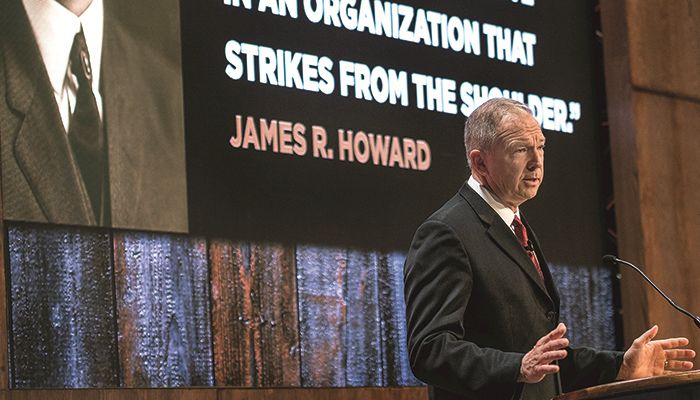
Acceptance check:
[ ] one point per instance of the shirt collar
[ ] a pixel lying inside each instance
(506, 214)
(55, 27)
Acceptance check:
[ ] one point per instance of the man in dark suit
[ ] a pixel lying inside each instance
(141, 123)
(482, 309)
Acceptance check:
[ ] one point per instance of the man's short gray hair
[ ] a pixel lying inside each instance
(484, 124)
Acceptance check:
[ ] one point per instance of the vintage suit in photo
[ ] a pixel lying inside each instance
(142, 118)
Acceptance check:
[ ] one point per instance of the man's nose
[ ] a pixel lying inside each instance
(536, 159)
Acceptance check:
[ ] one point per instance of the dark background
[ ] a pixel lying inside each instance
(246, 194)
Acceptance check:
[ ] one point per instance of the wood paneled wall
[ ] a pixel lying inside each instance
(162, 299)
(254, 314)
(95, 308)
(652, 65)
(63, 309)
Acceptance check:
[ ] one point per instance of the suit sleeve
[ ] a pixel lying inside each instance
(584, 367)
(438, 285)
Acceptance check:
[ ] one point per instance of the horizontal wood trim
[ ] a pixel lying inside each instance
(664, 46)
(362, 393)
(110, 394)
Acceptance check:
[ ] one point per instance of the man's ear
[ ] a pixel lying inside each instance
(476, 158)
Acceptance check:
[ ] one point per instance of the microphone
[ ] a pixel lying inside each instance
(529, 246)
(614, 260)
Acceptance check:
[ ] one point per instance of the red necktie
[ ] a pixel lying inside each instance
(521, 234)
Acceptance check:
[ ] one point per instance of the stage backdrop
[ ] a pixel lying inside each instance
(317, 136)
(341, 121)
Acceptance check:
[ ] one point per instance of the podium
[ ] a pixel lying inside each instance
(674, 386)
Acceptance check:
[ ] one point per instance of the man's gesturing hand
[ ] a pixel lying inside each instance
(538, 362)
(647, 357)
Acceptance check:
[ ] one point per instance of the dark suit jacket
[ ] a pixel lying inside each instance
(143, 119)
(475, 305)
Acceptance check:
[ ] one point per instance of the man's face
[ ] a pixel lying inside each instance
(514, 167)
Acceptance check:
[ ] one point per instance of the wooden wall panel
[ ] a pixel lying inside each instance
(664, 49)
(408, 393)
(397, 370)
(365, 393)
(363, 340)
(339, 317)
(623, 150)
(668, 151)
(63, 327)
(322, 315)
(587, 304)
(254, 314)
(652, 53)
(159, 394)
(162, 291)
(112, 394)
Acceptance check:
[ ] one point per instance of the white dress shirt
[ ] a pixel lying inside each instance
(54, 28)
(506, 214)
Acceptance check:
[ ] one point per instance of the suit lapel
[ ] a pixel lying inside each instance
(502, 236)
(41, 146)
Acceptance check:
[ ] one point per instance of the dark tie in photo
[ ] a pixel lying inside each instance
(85, 134)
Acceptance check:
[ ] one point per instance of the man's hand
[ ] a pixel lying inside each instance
(647, 357)
(538, 362)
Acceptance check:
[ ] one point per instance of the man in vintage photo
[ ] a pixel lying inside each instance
(90, 118)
